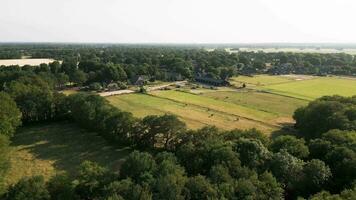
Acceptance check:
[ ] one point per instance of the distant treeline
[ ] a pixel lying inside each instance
(170, 63)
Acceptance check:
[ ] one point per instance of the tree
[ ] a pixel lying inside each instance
(199, 188)
(252, 152)
(10, 115)
(291, 144)
(4, 160)
(287, 169)
(139, 167)
(55, 67)
(127, 189)
(32, 188)
(61, 80)
(170, 178)
(90, 179)
(268, 187)
(33, 97)
(161, 131)
(78, 77)
(324, 114)
(316, 174)
(60, 187)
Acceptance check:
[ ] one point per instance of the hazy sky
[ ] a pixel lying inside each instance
(178, 21)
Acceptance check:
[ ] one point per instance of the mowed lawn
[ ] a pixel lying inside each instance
(300, 86)
(196, 113)
(56, 148)
(218, 105)
(277, 104)
(315, 88)
(259, 80)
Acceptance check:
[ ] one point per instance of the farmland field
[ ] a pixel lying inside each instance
(312, 89)
(195, 115)
(300, 86)
(266, 103)
(279, 105)
(55, 148)
(22, 62)
(260, 80)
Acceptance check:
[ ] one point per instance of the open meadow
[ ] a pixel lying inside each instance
(267, 103)
(56, 148)
(301, 86)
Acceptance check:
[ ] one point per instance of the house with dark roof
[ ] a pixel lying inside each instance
(139, 80)
(211, 81)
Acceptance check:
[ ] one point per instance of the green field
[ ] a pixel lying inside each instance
(267, 103)
(300, 86)
(260, 80)
(55, 148)
(314, 88)
(277, 104)
(196, 111)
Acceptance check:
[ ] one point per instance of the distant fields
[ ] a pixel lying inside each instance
(56, 148)
(22, 62)
(267, 103)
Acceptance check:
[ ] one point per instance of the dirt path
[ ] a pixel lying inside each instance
(153, 88)
(116, 92)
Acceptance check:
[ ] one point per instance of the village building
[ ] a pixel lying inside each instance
(211, 81)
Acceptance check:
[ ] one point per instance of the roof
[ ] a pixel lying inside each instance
(207, 79)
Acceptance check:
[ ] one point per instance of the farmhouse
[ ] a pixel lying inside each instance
(211, 81)
(139, 80)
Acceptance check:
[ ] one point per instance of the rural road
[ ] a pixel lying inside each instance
(158, 87)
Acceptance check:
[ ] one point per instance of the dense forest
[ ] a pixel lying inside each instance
(170, 161)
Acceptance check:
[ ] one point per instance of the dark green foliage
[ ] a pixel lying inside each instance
(170, 178)
(90, 180)
(159, 131)
(252, 153)
(4, 160)
(325, 114)
(10, 115)
(287, 169)
(199, 188)
(139, 167)
(316, 175)
(347, 194)
(34, 98)
(33, 188)
(60, 187)
(292, 145)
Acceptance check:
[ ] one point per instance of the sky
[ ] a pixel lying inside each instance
(178, 21)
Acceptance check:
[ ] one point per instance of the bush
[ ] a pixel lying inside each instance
(33, 188)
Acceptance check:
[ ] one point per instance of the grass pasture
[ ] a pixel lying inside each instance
(55, 148)
(259, 80)
(277, 104)
(197, 111)
(300, 86)
(267, 103)
(315, 88)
